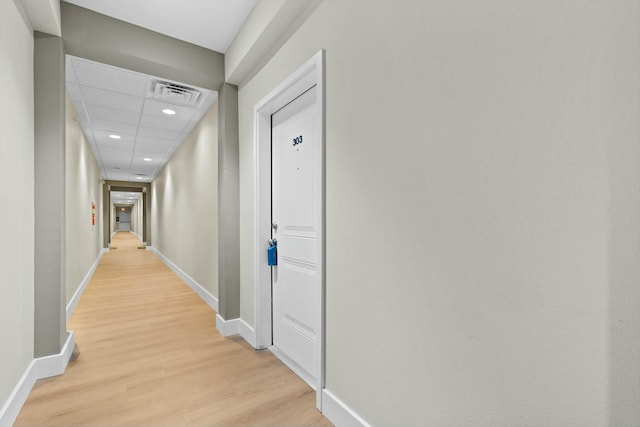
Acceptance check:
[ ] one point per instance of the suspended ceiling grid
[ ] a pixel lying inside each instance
(124, 197)
(112, 103)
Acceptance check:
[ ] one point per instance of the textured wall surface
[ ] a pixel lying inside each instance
(482, 208)
(184, 211)
(16, 172)
(84, 241)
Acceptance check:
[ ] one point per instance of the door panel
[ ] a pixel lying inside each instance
(295, 198)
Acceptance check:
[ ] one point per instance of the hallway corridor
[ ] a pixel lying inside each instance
(150, 355)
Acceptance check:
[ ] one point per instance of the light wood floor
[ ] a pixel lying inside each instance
(150, 355)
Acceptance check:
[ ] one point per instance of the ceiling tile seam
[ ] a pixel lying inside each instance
(111, 91)
(135, 141)
(112, 108)
(99, 159)
(111, 120)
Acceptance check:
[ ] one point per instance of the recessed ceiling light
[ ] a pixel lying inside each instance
(168, 112)
(114, 136)
(146, 159)
(138, 177)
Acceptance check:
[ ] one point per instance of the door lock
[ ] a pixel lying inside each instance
(274, 226)
(272, 253)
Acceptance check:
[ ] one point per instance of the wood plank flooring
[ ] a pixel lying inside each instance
(150, 355)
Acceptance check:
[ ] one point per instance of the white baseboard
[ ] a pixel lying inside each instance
(76, 296)
(234, 327)
(338, 413)
(227, 327)
(204, 294)
(50, 366)
(9, 412)
(42, 367)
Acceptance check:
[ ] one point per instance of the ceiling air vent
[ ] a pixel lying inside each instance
(174, 93)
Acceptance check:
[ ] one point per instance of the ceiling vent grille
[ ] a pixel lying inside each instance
(174, 93)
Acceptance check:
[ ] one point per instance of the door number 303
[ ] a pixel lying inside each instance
(297, 140)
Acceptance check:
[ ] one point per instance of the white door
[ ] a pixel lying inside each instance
(296, 226)
(125, 219)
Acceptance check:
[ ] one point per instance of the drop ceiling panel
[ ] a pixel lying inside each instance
(121, 102)
(112, 114)
(112, 161)
(139, 162)
(118, 169)
(110, 99)
(118, 172)
(125, 197)
(163, 123)
(155, 153)
(150, 142)
(115, 155)
(160, 133)
(120, 198)
(115, 165)
(144, 169)
(154, 108)
(119, 158)
(111, 127)
(118, 176)
(103, 138)
(89, 73)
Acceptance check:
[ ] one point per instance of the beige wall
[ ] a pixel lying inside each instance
(113, 219)
(17, 174)
(84, 241)
(136, 218)
(184, 209)
(482, 208)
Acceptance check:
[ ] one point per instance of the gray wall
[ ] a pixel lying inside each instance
(228, 204)
(109, 223)
(184, 205)
(97, 37)
(137, 218)
(50, 202)
(482, 208)
(16, 168)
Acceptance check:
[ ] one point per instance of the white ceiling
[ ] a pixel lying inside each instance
(124, 198)
(208, 23)
(114, 101)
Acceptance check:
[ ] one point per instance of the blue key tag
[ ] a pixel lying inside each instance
(272, 255)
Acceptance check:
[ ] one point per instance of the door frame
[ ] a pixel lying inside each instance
(309, 74)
